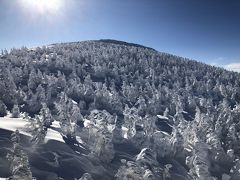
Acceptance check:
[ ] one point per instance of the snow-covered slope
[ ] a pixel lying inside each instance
(115, 110)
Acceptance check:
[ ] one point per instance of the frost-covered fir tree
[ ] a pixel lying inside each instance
(3, 109)
(38, 130)
(15, 111)
(45, 116)
(20, 167)
(67, 123)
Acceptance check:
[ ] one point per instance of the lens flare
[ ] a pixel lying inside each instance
(42, 7)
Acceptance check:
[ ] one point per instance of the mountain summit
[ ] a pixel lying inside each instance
(110, 109)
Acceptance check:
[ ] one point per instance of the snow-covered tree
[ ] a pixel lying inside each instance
(3, 109)
(67, 123)
(15, 111)
(46, 116)
(20, 167)
(38, 130)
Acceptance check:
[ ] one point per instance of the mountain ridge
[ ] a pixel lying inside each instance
(122, 42)
(111, 41)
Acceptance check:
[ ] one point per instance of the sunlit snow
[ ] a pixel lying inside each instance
(53, 135)
(87, 123)
(162, 117)
(56, 124)
(125, 130)
(12, 124)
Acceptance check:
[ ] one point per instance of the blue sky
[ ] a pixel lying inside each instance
(204, 30)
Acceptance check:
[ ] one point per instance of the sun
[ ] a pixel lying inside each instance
(42, 7)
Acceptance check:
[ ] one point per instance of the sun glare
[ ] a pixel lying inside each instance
(42, 7)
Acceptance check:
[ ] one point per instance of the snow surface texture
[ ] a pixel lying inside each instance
(113, 110)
